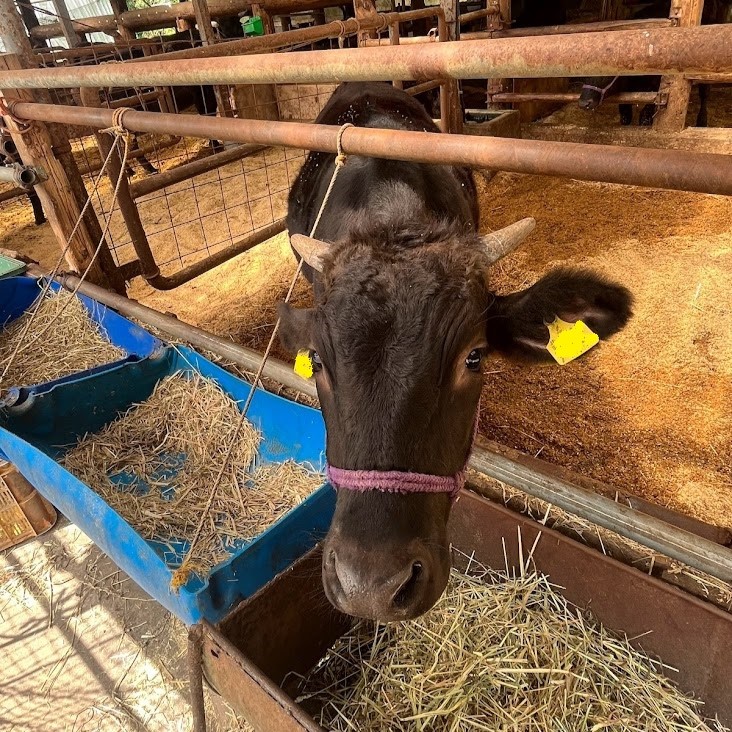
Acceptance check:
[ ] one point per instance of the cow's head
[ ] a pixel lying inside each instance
(594, 91)
(401, 324)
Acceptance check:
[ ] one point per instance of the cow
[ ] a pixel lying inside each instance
(404, 314)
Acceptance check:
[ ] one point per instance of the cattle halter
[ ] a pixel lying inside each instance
(603, 90)
(398, 481)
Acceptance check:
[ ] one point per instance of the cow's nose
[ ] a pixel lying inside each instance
(588, 102)
(379, 588)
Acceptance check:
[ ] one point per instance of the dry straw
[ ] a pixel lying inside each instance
(175, 443)
(75, 343)
(496, 653)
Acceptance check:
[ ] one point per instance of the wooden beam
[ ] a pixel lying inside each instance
(678, 89)
(59, 193)
(67, 26)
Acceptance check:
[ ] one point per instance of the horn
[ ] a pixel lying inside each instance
(311, 250)
(500, 243)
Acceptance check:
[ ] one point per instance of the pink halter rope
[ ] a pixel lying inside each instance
(397, 481)
(603, 90)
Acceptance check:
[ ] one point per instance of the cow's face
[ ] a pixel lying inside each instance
(397, 339)
(594, 91)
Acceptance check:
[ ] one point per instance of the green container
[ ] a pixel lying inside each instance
(10, 267)
(253, 26)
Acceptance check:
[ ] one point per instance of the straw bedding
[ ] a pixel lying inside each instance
(72, 343)
(156, 466)
(496, 653)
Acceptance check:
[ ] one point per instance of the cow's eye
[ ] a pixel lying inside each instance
(315, 360)
(472, 362)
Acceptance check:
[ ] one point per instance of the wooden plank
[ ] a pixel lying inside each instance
(672, 118)
(67, 26)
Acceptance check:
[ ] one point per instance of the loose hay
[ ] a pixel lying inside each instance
(73, 343)
(496, 653)
(175, 444)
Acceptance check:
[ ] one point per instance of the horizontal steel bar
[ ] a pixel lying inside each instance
(665, 538)
(675, 170)
(669, 51)
(702, 554)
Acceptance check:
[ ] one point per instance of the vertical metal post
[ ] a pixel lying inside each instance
(195, 677)
(496, 86)
(677, 89)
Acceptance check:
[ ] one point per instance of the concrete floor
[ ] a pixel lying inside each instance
(84, 648)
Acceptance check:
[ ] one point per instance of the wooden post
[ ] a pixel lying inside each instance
(71, 36)
(364, 9)
(450, 31)
(677, 89)
(496, 86)
(61, 191)
(266, 18)
(119, 7)
(394, 41)
(205, 31)
(30, 20)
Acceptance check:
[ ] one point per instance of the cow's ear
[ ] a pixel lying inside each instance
(295, 327)
(518, 322)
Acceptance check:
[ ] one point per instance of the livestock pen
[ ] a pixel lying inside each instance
(203, 208)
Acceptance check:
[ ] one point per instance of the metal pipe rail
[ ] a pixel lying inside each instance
(23, 176)
(621, 98)
(664, 51)
(694, 551)
(671, 169)
(274, 41)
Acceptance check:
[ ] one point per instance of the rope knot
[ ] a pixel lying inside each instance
(117, 127)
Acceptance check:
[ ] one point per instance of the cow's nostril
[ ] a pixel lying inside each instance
(405, 593)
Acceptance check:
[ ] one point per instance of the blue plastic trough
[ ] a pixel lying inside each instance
(35, 431)
(17, 294)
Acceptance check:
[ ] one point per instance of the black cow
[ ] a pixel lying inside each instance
(404, 313)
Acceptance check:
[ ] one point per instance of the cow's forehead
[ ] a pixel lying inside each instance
(417, 299)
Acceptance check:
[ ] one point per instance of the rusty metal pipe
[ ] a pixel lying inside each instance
(622, 98)
(671, 169)
(557, 30)
(163, 16)
(161, 282)
(273, 41)
(188, 170)
(669, 51)
(487, 458)
(23, 176)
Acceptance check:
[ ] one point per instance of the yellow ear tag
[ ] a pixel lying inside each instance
(304, 364)
(567, 341)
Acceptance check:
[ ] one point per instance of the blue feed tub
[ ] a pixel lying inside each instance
(17, 294)
(32, 430)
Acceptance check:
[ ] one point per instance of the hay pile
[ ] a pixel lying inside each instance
(175, 444)
(496, 653)
(72, 343)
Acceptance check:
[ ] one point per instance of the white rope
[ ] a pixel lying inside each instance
(181, 574)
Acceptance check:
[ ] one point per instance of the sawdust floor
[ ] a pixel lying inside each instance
(649, 411)
(85, 650)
